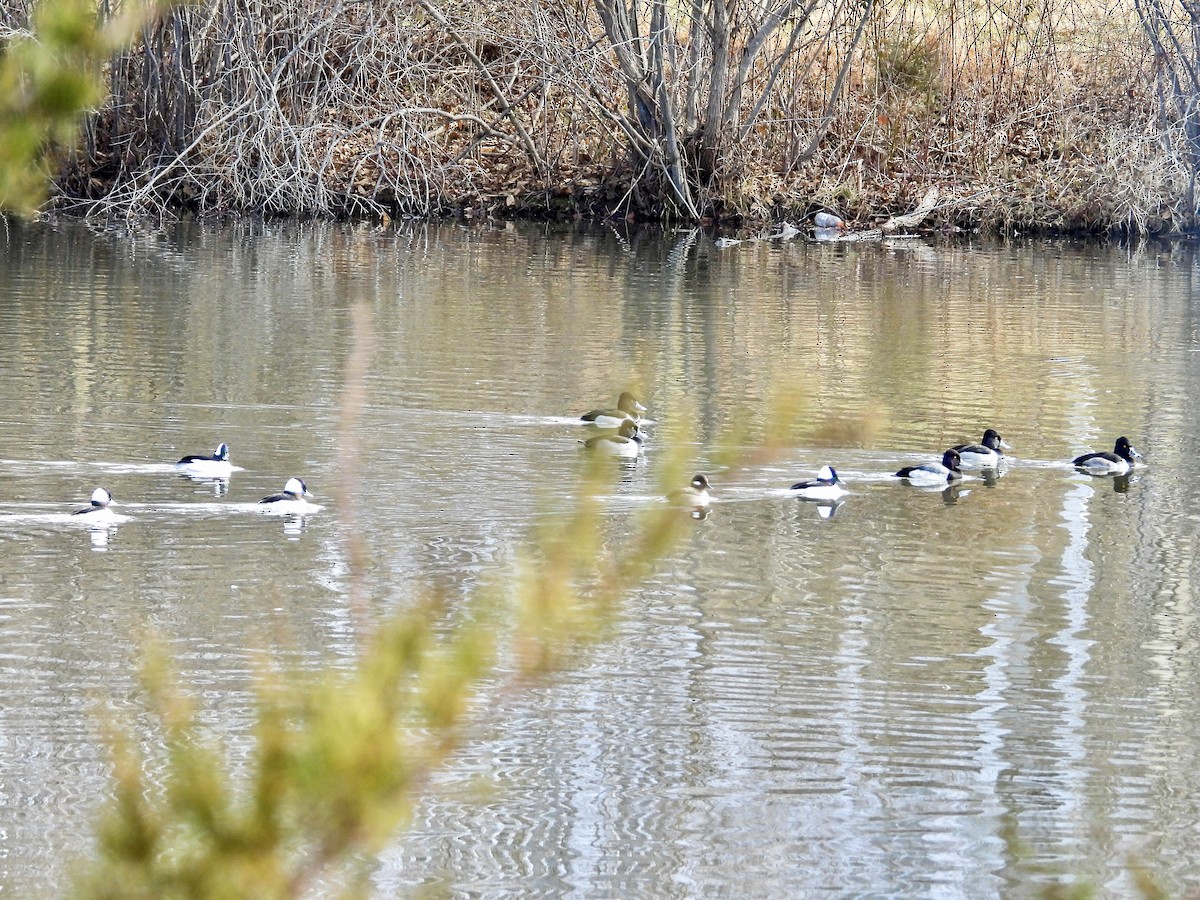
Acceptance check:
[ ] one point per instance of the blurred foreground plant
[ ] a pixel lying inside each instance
(339, 756)
(49, 76)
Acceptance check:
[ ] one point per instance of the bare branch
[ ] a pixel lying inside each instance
(526, 141)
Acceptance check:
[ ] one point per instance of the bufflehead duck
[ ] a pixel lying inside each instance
(627, 411)
(215, 466)
(695, 495)
(934, 473)
(292, 500)
(987, 454)
(1118, 462)
(626, 441)
(99, 510)
(827, 486)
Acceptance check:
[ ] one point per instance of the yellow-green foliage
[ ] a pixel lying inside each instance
(48, 77)
(339, 755)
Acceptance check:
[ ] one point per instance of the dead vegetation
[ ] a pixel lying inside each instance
(1048, 115)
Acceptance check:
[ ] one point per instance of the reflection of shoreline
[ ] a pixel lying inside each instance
(862, 356)
(733, 679)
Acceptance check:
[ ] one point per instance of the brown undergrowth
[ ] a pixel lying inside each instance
(1026, 117)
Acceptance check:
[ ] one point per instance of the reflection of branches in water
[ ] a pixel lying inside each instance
(678, 254)
(358, 365)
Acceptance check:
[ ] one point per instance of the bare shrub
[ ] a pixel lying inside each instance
(1024, 115)
(317, 107)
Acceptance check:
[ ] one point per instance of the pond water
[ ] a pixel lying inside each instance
(977, 692)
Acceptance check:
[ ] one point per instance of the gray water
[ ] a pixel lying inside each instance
(980, 692)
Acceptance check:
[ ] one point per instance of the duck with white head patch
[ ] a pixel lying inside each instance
(696, 495)
(826, 486)
(215, 466)
(293, 500)
(99, 512)
(1118, 462)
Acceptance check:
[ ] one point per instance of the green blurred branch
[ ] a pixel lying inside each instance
(49, 76)
(340, 755)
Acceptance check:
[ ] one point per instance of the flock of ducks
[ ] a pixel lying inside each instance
(292, 500)
(625, 439)
(621, 436)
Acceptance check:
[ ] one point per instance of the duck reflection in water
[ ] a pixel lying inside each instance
(220, 486)
(992, 476)
(100, 536)
(953, 492)
(825, 509)
(293, 526)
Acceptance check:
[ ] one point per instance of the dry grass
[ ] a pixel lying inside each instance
(1026, 116)
(1036, 129)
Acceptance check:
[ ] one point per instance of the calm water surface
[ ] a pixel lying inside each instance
(977, 693)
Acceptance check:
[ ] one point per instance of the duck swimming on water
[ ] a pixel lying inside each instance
(987, 454)
(293, 500)
(102, 499)
(627, 410)
(1118, 462)
(695, 495)
(934, 473)
(625, 441)
(215, 466)
(826, 486)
